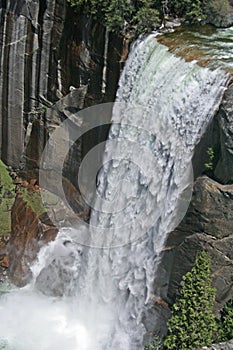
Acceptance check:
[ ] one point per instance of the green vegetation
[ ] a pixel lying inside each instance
(140, 16)
(7, 197)
(192, 324)
(33, 200)
(210, 165)
(195, 11)
(191, 10)
(156, 344)
(225, 325)
(122, 15)
(146, 19)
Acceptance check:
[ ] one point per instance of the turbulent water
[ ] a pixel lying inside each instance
(94, 298)
(208, 45)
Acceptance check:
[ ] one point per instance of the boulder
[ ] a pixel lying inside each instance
(221, 346)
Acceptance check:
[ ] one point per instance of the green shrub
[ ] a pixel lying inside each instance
(122, 15)
(7, 198)
(200, 10)
(192, 324)
(156, 344)
(145, 15)
(225, 325)
(146, 20)
(191, 10)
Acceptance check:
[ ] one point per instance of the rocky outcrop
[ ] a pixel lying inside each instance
(54, 62)
(46, 123)
(47, 50)
(221, 346)
(30, 39)
(224, 168)
(29, 233)
(208, 225)
(220, 13)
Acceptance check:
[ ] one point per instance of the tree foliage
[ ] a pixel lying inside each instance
(199, 10)
(146, 15)
(191, 10)
(122, 15)
(225, 325)
(192, 324)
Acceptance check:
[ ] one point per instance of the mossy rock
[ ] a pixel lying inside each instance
(7, 197)
(34, 201)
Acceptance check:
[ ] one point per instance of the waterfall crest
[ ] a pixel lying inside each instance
(163, 108)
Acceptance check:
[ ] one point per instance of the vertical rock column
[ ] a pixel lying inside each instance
(12, 96)
(30, 41)
(51, 24)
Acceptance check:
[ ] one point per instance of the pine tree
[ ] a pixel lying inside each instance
(225, 325)
(192, 323)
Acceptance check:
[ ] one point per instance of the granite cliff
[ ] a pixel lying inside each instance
(48, 50)
(54, 61)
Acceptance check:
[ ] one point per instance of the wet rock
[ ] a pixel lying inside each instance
(206, 226)
(155, 320)
(170, 24)
(224, 169)
(210, 211)
(29, 233)
(61, 273)
(5, 262)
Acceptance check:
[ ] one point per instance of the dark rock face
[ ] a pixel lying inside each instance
(206, 226)
(224, 169)
(224, 22)
(48, 50)
(47, 122)
(211, 210)
(218, 137)
(222, 15)
(30, 36)
(53, 63)
(29, 233)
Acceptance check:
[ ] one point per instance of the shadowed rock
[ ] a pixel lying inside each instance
(224, 169)
(207, 226)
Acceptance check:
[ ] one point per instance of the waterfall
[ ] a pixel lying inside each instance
(95, 298)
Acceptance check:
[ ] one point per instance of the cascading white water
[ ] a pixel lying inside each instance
(164, 108)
